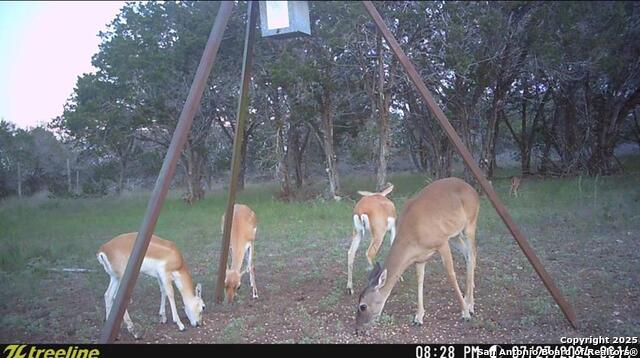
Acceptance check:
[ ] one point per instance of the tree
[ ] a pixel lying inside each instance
(99, 120)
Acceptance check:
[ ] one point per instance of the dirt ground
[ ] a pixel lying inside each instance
(512, 306)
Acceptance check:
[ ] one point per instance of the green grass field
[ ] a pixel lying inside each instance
(585, 230)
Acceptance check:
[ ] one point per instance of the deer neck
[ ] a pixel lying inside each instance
(237, 256)
(184, 282)
(399, 259)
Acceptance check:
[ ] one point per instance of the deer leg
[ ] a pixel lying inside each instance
(417, 320)
(377, 236)
(109, 295)
(391, 227)
(162, 313)
(447, 262)
(246, 258)
(129, 323)
(470, 255)
(351, 254)
(252, 272)
(168, 289)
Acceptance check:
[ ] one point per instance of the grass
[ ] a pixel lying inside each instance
(585, 230)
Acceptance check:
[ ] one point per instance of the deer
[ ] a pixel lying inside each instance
(515, 184)
(163, 261)
(444, 210)
(241, 244)
(376, 214)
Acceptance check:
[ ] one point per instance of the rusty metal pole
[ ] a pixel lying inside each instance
(242, 113)
(114, 321)
(466, 155)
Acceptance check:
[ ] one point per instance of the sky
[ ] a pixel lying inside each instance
(44, 47)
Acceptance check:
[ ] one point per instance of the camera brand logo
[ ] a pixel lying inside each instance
(26, 351)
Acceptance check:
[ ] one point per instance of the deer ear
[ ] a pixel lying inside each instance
(387, 190)
(365, 193)
(382, 279)
(375, 272)
(199, 290)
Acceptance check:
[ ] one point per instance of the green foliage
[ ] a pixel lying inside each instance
(482, 61)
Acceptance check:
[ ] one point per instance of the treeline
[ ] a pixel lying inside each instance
(558, 81)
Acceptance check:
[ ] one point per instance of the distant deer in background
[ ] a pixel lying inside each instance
(515, 184)
(375, 214)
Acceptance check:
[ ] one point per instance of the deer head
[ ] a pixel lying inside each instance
(193, 307)
(371, 301)
(231, 284)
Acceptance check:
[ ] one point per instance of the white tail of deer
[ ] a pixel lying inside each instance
(374, 214)
(446, 209)
(163, 261)
(515, 184)
(241, 244)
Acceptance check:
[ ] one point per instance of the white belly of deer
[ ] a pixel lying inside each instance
(152, 267)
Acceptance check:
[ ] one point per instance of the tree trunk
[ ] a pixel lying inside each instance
(602, 159)
(489, 143)
(636, 127)
(77, 181)
(434, 150)
(524, 146)
(462, 119)
(570, 138)
(298, 154)
(123, 166)
(611, 118)
(506, 75)
(330, 157)
(193, 167)
(465, 127)
(283, 163)
(383, 113)
(444, 158)
(547, 136)
(68, 176)
(19, 181)
(494, 145)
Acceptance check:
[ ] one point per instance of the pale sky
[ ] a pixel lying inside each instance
(44, 47)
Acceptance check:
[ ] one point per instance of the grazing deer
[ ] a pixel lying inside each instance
(163, 261)
(243, 235)
(515, 184)
(375, 214)
(441, 211)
